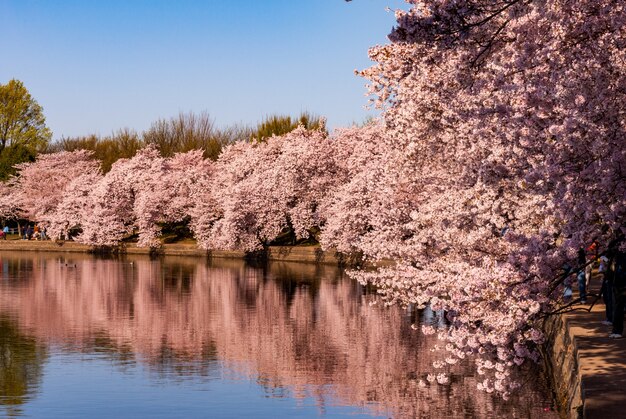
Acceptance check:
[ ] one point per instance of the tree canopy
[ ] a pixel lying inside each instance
(23, 130)
(21, 118)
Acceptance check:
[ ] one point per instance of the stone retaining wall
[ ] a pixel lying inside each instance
(588, 369)
(561, 358)
(287, 254)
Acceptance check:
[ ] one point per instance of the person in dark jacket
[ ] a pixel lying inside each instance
(607, 288)
(619, 285)
(29, 232)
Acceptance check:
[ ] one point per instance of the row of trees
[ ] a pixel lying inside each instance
(254, 192)
(349, 190)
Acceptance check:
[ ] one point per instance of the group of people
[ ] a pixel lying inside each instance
(34, 233)
(30, 232)
(612, 269)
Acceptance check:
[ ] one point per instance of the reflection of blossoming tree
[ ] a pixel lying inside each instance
(298, 327)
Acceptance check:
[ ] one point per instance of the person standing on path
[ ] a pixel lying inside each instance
(619, 285)
(607, 288)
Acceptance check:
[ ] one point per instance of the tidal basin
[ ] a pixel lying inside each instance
(87, 336)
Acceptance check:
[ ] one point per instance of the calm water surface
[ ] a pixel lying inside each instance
(91, 337)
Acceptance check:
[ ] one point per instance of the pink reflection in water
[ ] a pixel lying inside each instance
(299, 327)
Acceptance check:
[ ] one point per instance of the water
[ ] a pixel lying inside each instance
(131, 337)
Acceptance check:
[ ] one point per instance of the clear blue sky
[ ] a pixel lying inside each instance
(97, 66)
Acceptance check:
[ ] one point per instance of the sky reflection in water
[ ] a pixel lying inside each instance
(82, 336)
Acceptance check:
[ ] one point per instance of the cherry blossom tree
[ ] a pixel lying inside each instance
(140, 193)
(109, 215)
(41, 186)
(188, 177)
(8, 207)
(507, 154)
(264, 189)
(356, 211)
(186, 188)
(128, 198)
(75, 206)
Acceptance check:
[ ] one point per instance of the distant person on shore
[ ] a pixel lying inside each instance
(29, 232)
(619, 286)
(582, 282)
(619, 291)
(5, 230)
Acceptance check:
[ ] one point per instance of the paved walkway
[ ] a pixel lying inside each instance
(601, 361)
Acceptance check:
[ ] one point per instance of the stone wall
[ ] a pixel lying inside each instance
(287, 254)
(561, 358)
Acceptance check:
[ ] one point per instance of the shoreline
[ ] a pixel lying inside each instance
(306, 254)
